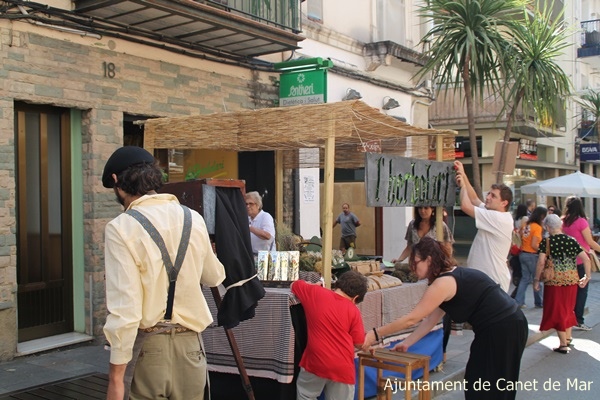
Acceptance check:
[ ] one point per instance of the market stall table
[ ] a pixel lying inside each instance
(271, 342)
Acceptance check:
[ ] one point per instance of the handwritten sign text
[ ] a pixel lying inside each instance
(394, 181)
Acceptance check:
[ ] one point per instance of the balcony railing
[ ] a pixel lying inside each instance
(587, 129)
(281, 13)
(590, 38)
(247, 28)
(450, 110)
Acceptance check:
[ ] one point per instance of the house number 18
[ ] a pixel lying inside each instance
(109, 69)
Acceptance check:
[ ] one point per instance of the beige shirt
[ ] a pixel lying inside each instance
(136, 279)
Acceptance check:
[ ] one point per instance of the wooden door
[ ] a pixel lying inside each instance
(44, 245)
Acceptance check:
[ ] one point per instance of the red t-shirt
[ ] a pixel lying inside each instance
(334, 326)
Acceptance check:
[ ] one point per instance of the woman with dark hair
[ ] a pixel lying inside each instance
(531, 236)
(575, 224)
(520, 213)
(467, 295)
(421, 226)
(553, 210)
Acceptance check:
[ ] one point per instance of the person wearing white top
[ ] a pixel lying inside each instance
(490, 248)
(262, 226)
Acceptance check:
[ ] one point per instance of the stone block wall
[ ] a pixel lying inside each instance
(105, 79)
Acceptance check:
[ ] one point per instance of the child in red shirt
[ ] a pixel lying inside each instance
(335, 328)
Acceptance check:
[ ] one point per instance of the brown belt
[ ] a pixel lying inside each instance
(166, 329)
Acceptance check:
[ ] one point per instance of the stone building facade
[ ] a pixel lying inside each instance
(96, 82)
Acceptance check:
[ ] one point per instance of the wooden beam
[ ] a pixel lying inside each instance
(439, 211)
(279, 187)
(328, 182)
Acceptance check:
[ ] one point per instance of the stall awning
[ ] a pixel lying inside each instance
(343, 130)
(354, 124)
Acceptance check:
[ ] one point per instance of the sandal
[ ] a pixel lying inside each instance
(570, 342)
(562, 349)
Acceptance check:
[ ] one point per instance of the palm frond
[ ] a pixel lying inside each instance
(590, 101)
(468, 33)
(534, 73)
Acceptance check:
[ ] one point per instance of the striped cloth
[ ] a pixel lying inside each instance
(266, 342)
(370, 309)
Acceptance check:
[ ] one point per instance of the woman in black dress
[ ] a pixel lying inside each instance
(467, 295)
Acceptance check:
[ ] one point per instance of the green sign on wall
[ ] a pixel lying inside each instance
(306, 87)
(303, 81)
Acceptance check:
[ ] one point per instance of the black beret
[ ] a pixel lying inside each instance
(122, 159)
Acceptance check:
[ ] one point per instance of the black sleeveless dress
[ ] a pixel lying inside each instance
(500, 333)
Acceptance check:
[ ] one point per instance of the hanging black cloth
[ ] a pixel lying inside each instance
(234, 249)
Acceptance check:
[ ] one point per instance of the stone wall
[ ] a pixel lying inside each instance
(105, 79)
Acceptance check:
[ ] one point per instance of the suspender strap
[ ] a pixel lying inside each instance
(172, 269)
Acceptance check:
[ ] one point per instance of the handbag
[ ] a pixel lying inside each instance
(548, 271)
(594, 261)
(515, 247)
(515, 250)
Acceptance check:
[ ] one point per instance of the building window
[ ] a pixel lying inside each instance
(315, 10)
(391, 21)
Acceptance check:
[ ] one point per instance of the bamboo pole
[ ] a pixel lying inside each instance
(439, 210)
(328, 204)
(279, 187)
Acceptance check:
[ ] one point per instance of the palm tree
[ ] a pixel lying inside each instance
(534, 78)
(466, 52)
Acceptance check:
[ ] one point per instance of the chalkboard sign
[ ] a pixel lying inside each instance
(394, 181)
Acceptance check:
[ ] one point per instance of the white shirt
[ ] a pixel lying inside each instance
(264, 221)
(491, 245)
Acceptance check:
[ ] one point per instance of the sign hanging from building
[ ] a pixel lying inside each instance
(394, 181)
(589, 152)
(303, 81)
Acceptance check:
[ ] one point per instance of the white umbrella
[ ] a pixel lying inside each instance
(578, 184)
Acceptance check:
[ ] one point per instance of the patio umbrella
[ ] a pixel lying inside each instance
(578, 184)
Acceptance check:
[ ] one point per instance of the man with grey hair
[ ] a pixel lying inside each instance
(262, 226)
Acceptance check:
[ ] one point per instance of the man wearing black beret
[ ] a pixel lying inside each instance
(157, 253)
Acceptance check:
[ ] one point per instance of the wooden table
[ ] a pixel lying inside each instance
(389, 360)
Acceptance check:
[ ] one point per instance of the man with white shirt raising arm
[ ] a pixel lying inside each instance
(489, 250)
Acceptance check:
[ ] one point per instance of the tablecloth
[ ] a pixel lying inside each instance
(267, 341)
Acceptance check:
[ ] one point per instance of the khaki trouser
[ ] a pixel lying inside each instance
(167, 365)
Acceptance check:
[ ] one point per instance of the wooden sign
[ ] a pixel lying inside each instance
(394, 181)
